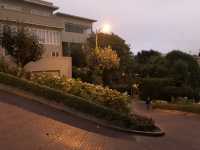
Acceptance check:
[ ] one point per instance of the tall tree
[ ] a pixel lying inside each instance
(125, 73)
(144, 56)
(185, 67)
(181, 70)
(150, 64)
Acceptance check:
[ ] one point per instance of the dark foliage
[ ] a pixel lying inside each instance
(22, 46)
(144, 57)
(165, 89)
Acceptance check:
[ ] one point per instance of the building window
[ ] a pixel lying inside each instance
(46, 36)
(43, 36)
(11, 7)
(55, 54)
(2, 6)
(49, 37)
(58, 38)
(39, 12)
(1, 30)
(1, 35)
(54, 37)
(66, 49)
(70, 27)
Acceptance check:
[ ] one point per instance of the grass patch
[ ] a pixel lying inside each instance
(129, 121)
(192, 108)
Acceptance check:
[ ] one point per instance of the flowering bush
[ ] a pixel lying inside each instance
(95, 93)
(103, 58)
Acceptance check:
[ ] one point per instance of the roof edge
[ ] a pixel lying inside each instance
(73, 16)
(48, 4)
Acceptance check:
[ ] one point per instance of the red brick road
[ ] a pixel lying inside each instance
(26, 125)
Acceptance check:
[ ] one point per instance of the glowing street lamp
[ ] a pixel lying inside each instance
(106, 28)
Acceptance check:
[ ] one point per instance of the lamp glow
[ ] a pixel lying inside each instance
(106, 28)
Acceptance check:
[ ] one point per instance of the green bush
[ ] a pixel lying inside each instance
(94, 93)
(122, 87)
(82, 73)
(123, 120)
(4, 67)
(164, 89)
(12, 69)
(154, 88)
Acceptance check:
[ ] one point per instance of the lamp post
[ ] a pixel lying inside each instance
(106, 29)
(97, 44)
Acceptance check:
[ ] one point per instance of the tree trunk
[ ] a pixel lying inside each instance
(19, 70)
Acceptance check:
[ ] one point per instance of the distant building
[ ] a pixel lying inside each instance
(58, 32)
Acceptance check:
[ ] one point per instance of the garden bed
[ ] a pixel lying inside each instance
(94, 93)
(128, 121)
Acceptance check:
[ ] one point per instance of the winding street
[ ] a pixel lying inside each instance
(27, 125)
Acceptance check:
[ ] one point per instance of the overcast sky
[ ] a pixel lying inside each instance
(162, 25)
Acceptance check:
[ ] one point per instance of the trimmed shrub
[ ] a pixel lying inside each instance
(134, 122)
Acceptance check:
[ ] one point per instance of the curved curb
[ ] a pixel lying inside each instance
(63, 108)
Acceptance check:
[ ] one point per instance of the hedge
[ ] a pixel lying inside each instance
(134, 122)
(154, 88)
(192, 108)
